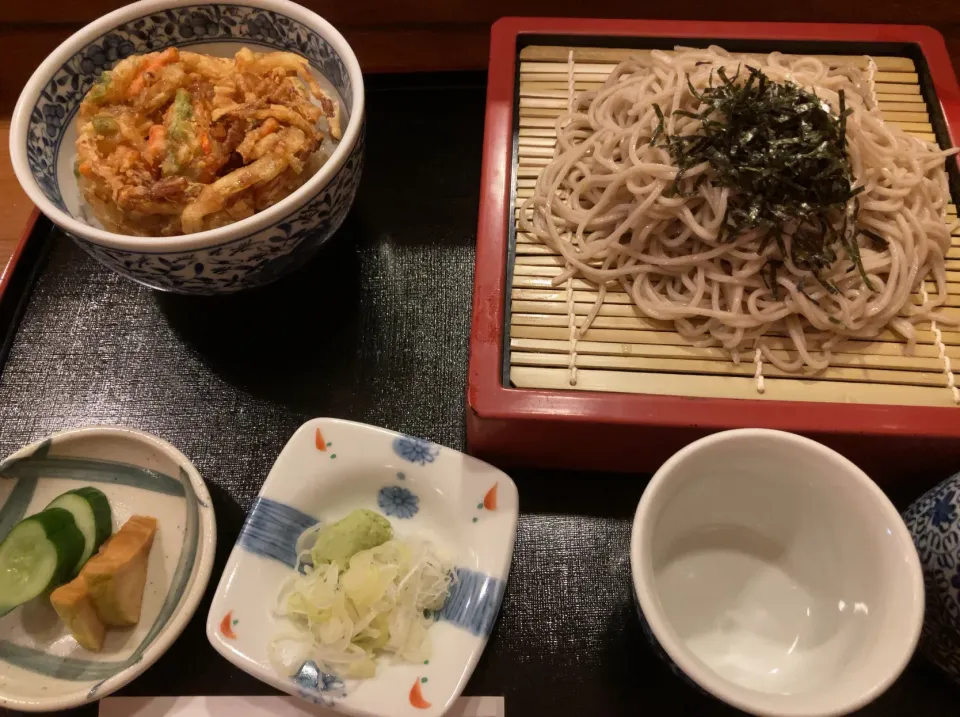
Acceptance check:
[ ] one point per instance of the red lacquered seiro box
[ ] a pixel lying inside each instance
(636, 431)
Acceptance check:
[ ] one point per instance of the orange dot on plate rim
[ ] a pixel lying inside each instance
(416, 697)
(490, 499)
(226, 626)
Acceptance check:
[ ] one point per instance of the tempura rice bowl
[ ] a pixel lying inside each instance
(248, 253)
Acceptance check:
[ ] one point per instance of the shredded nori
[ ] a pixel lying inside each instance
(783, 153)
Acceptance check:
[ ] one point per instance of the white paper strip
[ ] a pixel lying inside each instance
(261, 707)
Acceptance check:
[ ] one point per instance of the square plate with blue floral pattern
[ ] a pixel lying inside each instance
(329, 468)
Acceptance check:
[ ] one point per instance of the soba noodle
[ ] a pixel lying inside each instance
(604, 204)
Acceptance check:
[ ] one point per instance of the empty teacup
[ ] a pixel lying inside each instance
(776, 575)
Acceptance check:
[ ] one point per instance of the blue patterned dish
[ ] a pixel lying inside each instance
(934, 522)
(251, 252)
(42, 668)
(329, 468)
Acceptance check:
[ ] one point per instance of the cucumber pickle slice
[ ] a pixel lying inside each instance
(38, 554)
(91, 511)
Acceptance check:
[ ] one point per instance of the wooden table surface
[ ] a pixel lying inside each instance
(15, 208)
(410, 35)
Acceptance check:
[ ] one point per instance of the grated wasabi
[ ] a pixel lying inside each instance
(337, 543)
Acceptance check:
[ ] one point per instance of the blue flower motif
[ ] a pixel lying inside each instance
(104, 56)
(198, 24)
(308, 675)
(53, 115)
(944, 512)
(415, 450)
(397, 501)
(330, 683)
(260, 26)
(312, 677)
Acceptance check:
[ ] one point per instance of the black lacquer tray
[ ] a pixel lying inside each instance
(375, 329)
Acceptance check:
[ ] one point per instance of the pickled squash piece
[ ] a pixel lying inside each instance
(75, 607)
(116, 575)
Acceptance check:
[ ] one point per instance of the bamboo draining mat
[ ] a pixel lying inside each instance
(626, 352)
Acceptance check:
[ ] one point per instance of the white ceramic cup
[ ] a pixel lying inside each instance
(776, 575)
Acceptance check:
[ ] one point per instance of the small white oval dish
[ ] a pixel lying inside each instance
(42, 668)
(327, 469)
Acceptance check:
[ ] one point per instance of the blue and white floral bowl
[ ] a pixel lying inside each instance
(329, 468)
(249, 253)
(934, 522)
